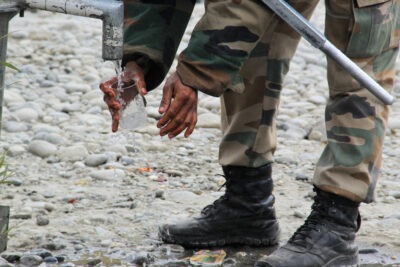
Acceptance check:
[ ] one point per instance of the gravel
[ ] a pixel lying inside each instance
(91, 196)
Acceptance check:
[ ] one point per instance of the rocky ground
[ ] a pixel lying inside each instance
(85, 196)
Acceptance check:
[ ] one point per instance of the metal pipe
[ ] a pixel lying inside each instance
(4, 221)
(110, 11)
(5, 17)
(357, 73)
(318, 40)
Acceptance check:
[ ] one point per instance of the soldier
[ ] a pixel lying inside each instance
(240, 51)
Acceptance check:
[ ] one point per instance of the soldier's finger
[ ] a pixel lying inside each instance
(141, 85)
(106, 87)
(112, 103)
(140, 82)
(115, 124)
(115, 117)
(176, 112)
(184, 125)
(177, 123)
(107, 91)
(192, 123)
(166, 98)
(177, 130)
(168, 128)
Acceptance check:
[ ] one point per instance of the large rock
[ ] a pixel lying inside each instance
(15, 126)
(31, 260)
(209, 120)
(42, 148)
(96, 160)
(12, 97)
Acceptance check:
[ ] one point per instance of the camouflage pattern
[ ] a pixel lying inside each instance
(355, 120)
(152, 32)
(221, 42)
(242, 51)
(248, 119)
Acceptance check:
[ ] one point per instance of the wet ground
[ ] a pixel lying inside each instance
(175, 256)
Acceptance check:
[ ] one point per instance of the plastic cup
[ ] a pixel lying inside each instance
(133, 113)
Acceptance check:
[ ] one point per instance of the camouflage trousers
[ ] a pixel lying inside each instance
(365, 30)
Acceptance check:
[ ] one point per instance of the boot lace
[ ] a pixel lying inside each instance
(312, 223)
(207, 210)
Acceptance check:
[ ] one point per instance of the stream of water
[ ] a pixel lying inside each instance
(133, 114)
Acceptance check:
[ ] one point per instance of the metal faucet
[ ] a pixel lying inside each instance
(110, 11)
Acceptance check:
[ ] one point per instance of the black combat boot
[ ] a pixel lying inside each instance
(325, 239)
(245, 214)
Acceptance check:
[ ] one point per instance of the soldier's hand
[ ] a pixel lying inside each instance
(179, 108)
(132, 74)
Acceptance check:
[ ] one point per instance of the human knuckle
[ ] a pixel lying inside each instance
(170, 113)
(178, 121)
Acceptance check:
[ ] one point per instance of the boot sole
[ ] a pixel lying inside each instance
(249, 236)
(343, 261)
(219, 241)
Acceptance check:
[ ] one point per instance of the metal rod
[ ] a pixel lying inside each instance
(111, 12)
(357, 73)
(5, 18)
(4, 222)
(318, 40)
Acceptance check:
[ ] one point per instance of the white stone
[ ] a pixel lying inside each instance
(16, 150)
(211, 103)
(14, 126)
(95, 160)
(76, 87)
(73, 153)
(46, 128)
(117, 148)
(183, 196)
(209, 120)
(53, 138)
(149, 129)
(74, 63)
(394, 122)
(93, 94)
(12, 97)
(42, 148)
(91, 119)
(26, 114)
(108, 175)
